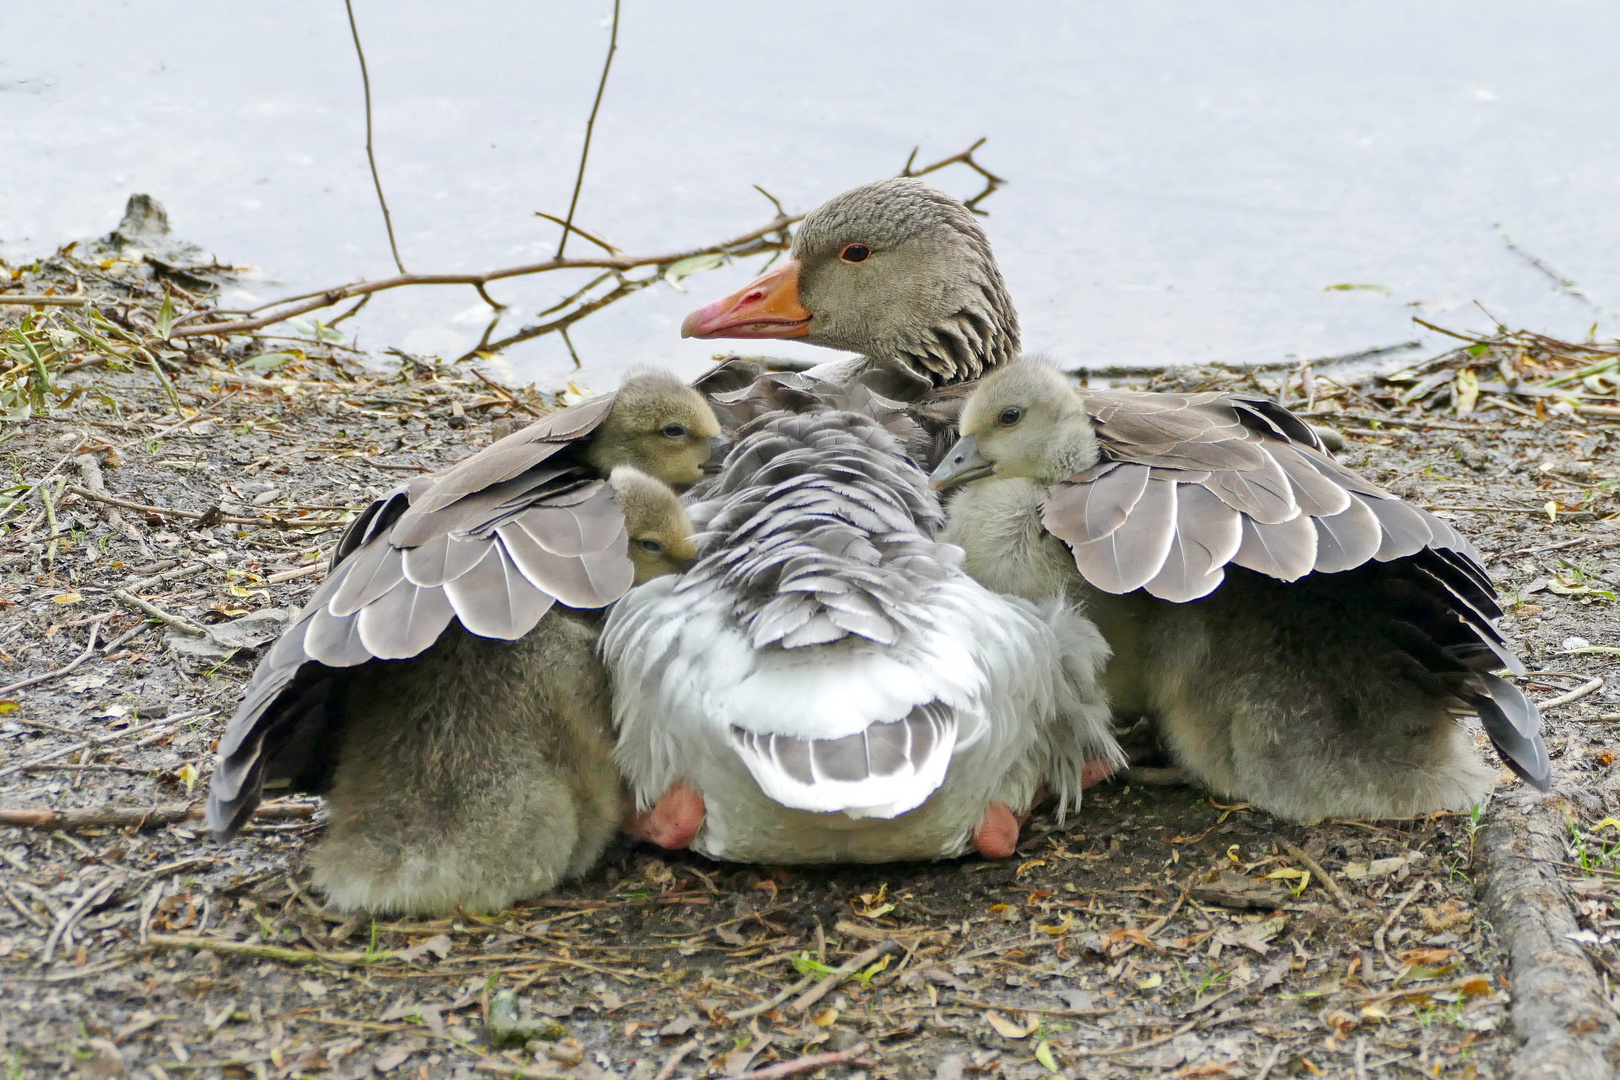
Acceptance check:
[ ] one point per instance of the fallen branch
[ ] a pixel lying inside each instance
(1560, 1007)
(179, 622)
(676, 1058)
(1298, 855)
(809, 1063)
(44, 301)
(93, 895)
(1589, 686)
(1145, 1044)
(267, 952)
(95, 628)
(153, 731)
(210, 517)
(299, 305)
(139, 817)
(831, 982)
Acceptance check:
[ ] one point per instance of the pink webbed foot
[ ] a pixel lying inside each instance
(1095, 771)
(673, 820)
(997, 834)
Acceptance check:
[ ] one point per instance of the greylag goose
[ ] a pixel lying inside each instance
(1302, 636)
(897, 271)
(481, 772)
(826, 684)
(1326, 557)
(492, 543)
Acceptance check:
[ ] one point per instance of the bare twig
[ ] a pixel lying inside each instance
(675, 1059)
(44, 301)
(1270, 1062)
(772, 1003)
(808, 1063)
(267, 952)
(199, 515)
(376, 178)
(179, 622)
(1589, 686)
(991, 180)
(139, 817)
(833, 981)
(101, 740)
(519, 1072)
(298, 305)
(1145, 1044)
(90, 647)
(590, 128)
(1298, 855)
(1378, 935)
(93, 895)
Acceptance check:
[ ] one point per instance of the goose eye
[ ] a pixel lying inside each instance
(854, 253)
(674, 431)
(651, 547)
(1011, 416)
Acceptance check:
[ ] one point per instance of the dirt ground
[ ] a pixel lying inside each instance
(154, 532)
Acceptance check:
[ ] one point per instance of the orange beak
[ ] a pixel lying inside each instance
(767, 307)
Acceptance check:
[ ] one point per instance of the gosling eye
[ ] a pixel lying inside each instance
(854, 253)
(674, 431)
(651, 547)
(1010, 416)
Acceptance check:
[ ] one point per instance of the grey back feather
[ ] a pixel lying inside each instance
(811, 531)
(493, 541)
(1192, 484)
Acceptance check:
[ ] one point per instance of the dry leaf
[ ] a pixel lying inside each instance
(1063, 926)
(1013, 1029)
(67, 598)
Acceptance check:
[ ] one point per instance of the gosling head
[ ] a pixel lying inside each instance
(658, 424)
(660, 532)
(897, 271)
(1025, 420)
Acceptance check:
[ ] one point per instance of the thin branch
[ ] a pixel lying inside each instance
(376, 178)
(809, 1063)
(199, 515)
(299, 305)
(991, 180)
(139, 817)
(44, 301)
(590, 128)
(571, 227)
(95, 628)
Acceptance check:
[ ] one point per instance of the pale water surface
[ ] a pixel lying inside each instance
(1188, 178)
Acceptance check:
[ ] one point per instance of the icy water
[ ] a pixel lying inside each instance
(1189, 181)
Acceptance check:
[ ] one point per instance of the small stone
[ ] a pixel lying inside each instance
(1573, 643)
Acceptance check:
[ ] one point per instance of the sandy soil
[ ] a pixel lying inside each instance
(1155, 933)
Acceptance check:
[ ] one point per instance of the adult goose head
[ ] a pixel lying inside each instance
(492, 542)
(1227, 508)
(897, 271)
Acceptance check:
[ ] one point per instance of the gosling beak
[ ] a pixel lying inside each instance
(962, 463)
(719, 446)
(767, 307)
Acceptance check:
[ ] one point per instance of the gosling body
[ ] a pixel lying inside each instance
(1310, 691)
(442, 687)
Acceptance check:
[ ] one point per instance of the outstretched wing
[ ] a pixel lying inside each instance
(492, 541)
(1191, 484)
